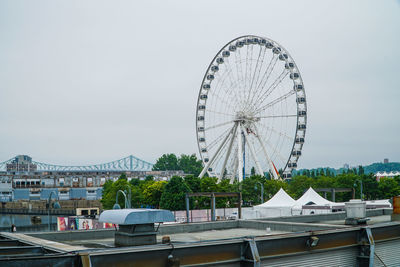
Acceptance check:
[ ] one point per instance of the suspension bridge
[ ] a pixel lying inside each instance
(129, 163)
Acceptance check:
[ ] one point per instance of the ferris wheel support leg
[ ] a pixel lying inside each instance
(228, 152)
(234, 167)
(205, 169)
(240, 153)
(271, 166)
(253, 154)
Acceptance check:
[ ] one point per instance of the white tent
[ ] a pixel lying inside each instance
(310, 197)
(280, 199)
(279, 205)
(315, 203)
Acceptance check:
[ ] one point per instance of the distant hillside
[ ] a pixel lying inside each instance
(372, 168)
(380, 167)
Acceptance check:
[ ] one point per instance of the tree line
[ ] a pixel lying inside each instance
(171, 195)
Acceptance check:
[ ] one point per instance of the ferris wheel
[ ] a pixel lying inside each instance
(251, 111)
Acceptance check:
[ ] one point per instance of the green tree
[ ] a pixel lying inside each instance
(253, 171)
(149, 178)
(360, 170)
(173, 197)
(123, 176)
(137, 200)
(299, 184)
(108, 199)
(209, 184)
(226, 202)
(167, 162)
(152, 193)
(134, 182)
(107, 187)
(347, 181)
(370, 187)
(193, 182)
(271, 187)
(388, 188)
(251, 189)
(189, 164)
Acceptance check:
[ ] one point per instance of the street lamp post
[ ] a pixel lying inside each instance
(129, 195)
(262, 191)
(127, 203)
(56, 205)
(361, 188)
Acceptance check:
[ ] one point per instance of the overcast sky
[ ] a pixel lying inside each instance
(85, 82)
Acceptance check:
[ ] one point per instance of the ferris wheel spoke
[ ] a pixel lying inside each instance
(267, 72)
(276, 131)
(222, 86)
(270, 163)
(275, 151)
(274, 102)
(252, 79)
(219, 138)
(229, 89)
(245, 76)
(250, 71)
(259, 70)
(271, 88)
(235, 101)
(219, 112)
(232, 85)
(205, 169)
(241, 87)
(222, 100)
(228, 153)
(234, 163)
(219, 125)
(277, 116)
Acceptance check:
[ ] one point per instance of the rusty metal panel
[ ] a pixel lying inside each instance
(396, 205)
(385, 231)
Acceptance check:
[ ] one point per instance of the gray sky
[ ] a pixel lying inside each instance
(85, 82)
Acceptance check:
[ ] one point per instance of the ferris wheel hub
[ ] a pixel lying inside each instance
(245, 117)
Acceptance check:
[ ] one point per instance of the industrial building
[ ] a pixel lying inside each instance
(24, 179)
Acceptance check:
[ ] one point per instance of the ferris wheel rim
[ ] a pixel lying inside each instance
(205, 155)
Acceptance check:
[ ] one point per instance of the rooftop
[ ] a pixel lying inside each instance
(272, 242)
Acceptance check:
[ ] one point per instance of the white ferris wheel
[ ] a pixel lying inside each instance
(251, 111)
